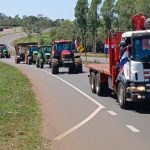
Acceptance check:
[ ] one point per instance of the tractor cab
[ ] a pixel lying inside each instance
(4, 51)
(63, 48)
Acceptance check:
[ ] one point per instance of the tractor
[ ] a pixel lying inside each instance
(44, 56)
(33, 54)
(63, 56)
(22, 52)
(4, 53)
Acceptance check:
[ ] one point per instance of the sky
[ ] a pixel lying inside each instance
(53, 9)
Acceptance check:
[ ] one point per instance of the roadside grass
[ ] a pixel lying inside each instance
(20, 115)
(34, 38)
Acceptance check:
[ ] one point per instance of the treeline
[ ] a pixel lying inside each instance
(95, 19)
(91, 24)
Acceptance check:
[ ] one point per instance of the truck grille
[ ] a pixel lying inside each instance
(147, 79)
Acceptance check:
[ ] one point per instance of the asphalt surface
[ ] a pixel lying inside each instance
(76, 119)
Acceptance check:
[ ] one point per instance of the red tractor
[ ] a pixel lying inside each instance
(63, 56)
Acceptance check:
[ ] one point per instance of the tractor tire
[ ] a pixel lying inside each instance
(92, 82)
(41, 65)
(54, 66)
(99, 87)
(55, 70)
(71, 70)
(29, 60)
(121, 94)
(37, 63)
(78, 65)
(17, 61)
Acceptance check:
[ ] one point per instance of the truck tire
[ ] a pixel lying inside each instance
(99, 87)
(92, 82)
(121, 94)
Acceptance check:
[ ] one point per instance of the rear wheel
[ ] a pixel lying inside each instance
(92, 82)
(121, 93)
(41, 65)
(37, 63)
(71, 70)
(99, 86)
(55, 69)
(29, 61)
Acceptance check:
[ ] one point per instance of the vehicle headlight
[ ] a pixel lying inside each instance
(137, 88)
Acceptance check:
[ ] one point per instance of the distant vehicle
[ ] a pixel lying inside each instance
(22, 52)
(44, 56)
(1, 28)
(63, 56)
(4, 53)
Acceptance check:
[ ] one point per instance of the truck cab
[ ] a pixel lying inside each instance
(135, 75)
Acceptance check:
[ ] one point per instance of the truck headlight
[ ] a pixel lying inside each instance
(137, 88)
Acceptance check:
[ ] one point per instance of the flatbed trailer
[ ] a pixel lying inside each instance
(101, 68)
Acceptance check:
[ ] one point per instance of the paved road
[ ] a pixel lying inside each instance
(76, 119)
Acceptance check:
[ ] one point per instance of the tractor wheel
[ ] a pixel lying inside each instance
(37, 63)
(71, 70)
(29, 61)
(0, 55)
(41, 65)
(92, 82)
(8, 56)
(55, 70)
(121, 94)
(17, 61)
(99, 87)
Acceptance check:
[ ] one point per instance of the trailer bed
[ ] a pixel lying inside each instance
(102, 67)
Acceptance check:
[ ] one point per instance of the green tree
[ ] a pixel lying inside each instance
(125, 9)
(81, 11)
(93, 21)
(107, 12)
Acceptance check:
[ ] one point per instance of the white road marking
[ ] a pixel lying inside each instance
(81, 92)
(61, 136)
(112, 113)
(132, 128)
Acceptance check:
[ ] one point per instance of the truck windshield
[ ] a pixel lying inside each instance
(141, 48)
(63, 46)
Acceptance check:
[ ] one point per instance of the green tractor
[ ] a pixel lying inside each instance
(63, 56)
(4, 53)
(32, 55)
(44, 56)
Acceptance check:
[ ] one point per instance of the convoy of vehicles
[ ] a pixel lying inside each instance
(63, 56)
(4, 53)
(128, 71)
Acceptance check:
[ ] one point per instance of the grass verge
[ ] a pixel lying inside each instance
(20, 115)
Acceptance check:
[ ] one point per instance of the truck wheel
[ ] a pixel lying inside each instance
(99, 86)
(92, 82)
(121, 93)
